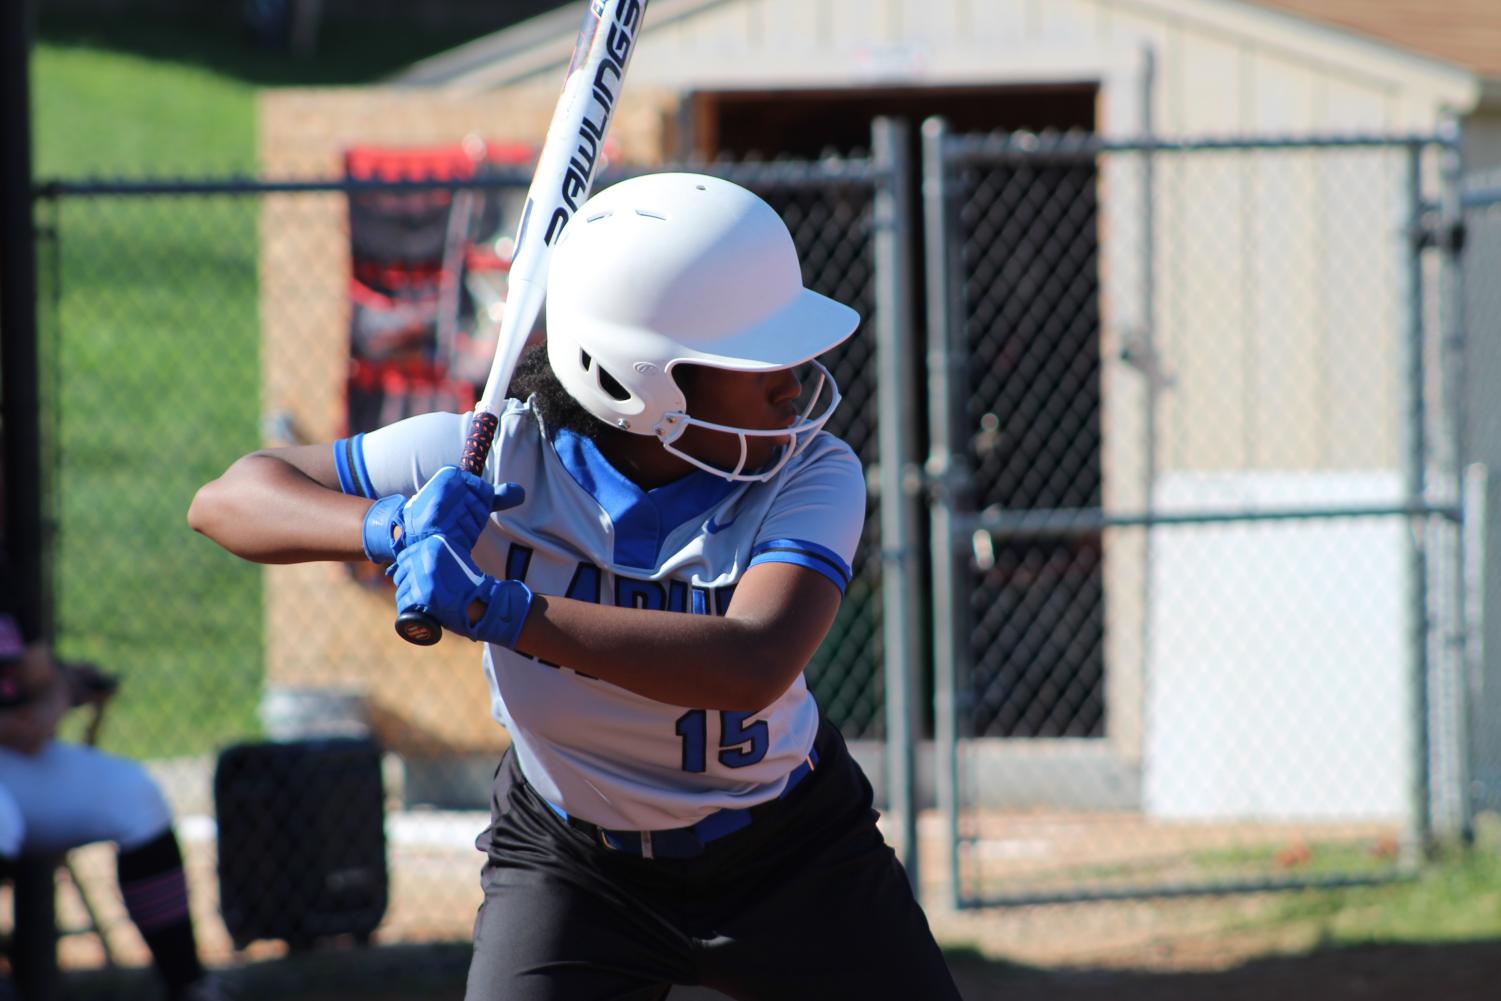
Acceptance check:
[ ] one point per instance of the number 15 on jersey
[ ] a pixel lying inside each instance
(741, 743)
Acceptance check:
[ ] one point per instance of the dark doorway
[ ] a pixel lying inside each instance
(811, 123)
(1029, 254)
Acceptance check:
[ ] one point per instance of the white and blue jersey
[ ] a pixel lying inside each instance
(595, 750)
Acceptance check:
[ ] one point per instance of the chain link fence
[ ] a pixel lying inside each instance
(1193, 594)
(189, 322)
(1196, 536)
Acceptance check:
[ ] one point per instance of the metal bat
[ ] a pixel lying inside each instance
(565, 172)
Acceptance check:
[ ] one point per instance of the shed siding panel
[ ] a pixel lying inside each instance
(1362, 255)
(1203, 322)
(730, 29)
(1066, 20)
(1282, 97)
(1000, 24)
(1211, 82)
(1269, 84)
(1357, 107)
(858, 24)
(1285, 226)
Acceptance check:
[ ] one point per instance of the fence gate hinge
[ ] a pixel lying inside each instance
(1432, 231)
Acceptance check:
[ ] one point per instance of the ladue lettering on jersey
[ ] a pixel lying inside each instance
(587, 581)
(670, 595)
(586, 584)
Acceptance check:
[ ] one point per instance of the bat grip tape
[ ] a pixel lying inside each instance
(477, 445)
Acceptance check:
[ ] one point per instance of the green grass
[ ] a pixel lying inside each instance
(157, 356)
(151, 340)
(1323, 859)
(152, 95)
(1455, 897)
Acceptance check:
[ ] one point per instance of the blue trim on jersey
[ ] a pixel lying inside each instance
(802, 553)
(349, 460)
(642, 518)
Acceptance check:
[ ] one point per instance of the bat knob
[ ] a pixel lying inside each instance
(418, 628)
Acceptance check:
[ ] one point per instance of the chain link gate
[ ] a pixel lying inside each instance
(176, 314)
(1480, 324)
(1195, 512)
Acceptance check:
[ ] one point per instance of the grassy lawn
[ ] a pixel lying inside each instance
(157, 391)
(1455, 898)
(151, 336)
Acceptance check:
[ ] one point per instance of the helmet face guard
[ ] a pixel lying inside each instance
(664, 270)
(800, 433)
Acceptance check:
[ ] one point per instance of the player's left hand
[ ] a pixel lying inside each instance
(453, 503)
(434, 576)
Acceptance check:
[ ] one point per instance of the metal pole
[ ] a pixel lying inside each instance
(1414, 461)
(948, 478)
(900, 590)
(1456, 661)
(1472, 560)
(21, 527)
(1152, 371)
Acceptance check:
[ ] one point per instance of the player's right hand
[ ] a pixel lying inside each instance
(454, 504)
(434, 577)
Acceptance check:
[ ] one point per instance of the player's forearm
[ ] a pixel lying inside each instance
(268, 511)
(701, 661)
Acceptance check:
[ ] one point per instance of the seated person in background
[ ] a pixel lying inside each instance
(56, 796)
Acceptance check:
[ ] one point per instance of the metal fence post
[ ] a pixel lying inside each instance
(1454, 336)
(900, 589)
(1476, 487)
(1415, 458)
(1481, 203)
(23, 500)
(947, 477)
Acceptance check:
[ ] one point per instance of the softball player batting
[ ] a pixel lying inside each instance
(659, 543)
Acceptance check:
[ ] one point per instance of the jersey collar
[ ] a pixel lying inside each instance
(642, 519)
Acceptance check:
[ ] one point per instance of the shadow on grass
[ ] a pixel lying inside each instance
(336, 970)
(1468, 971)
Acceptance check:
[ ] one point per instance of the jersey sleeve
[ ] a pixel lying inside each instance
(817, 517)
(399, 458)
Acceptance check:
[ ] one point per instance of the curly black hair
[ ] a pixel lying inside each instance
(535, 379)
(556, 408)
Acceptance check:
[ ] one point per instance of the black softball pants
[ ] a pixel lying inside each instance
(808, 902)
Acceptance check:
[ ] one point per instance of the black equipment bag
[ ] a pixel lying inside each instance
(302, 841)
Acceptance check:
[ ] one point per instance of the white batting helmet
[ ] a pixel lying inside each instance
(663, 270)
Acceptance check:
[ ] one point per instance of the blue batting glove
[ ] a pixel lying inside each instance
(452, 503)
(382, 535)
(434, 576)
